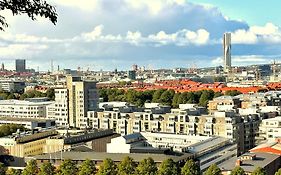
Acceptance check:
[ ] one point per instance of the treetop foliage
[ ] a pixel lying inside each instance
(31, 8)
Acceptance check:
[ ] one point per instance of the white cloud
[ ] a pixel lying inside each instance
(243, 36)
(82, 4)
(153, 6)
(243, 59)
(181, 38)
(93, 35)
(134, 37)
(269, 33)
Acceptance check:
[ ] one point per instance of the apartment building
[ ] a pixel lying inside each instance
(82, 97)
(224, 103)
(23, 109)
(224, 124)
(59, 109)
(270, 129)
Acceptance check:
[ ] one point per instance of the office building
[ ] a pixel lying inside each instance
(132, 74)
(82, 97)
(20, 65)
(227, 52)
(23, 109)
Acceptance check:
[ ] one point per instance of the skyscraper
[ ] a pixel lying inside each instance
(20, 65)
(227, 52)
(82, 97)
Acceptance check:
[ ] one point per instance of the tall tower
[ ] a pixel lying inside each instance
(227, 52)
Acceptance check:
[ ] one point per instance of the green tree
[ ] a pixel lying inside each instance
(190, 168)
(232, 93)
(46, 169)
(51, 94)
(127, 166)
(167, 97)
(217, 94)
(237, 171)
(205, 97)
(175, 100)
(31, 8)
(213, 170)
(259, 171)
(12, 171)
(31, 168)
(11, 96)
(146, 167)
(191, 98)
(67, 167)
(168, 167)
(9, 129)
(183, 98)
(3, 168)
(278, 172)
(108, 167)
(157, 94)
(87, 168)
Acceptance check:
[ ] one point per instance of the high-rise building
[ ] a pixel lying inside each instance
(132, 74)
(227, 52)
(82, 97)
(20, 65)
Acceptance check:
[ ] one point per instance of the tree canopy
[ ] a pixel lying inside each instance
(259, 171)
(108, 167)
(32, 8)
(31, 168)
(68, 167)
(213, 170)
(190, 168)
(127, 166)
(168, 167)
(237, 171)
(46, 169)
(146, 167)
(87, 168)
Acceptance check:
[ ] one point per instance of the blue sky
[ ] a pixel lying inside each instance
(109, 34)
(254, 12)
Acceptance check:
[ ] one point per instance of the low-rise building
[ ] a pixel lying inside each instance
(29, 123)
(26, 144)
(23, 109)
(250, 161)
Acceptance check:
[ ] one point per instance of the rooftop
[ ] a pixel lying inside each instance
(261, 160)
(23, 102)
(24, 119)
(99, 156)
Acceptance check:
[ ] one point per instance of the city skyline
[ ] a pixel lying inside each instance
(162, 34)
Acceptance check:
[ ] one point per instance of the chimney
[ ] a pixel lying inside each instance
(238, 162)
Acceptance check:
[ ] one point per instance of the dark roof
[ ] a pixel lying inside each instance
(117, 157)
(261, 160)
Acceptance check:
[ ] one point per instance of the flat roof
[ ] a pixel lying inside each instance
(17, 119)
(99, 156)
(261, 160)
(200, 146)
(23, 102)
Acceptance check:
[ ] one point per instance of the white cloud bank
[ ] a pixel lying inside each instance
(269, 33)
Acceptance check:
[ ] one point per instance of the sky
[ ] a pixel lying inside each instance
(109, 34)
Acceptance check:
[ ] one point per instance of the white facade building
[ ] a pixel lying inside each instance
(59, 109)
(150, 140)
(270, 128)
(23, 109)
